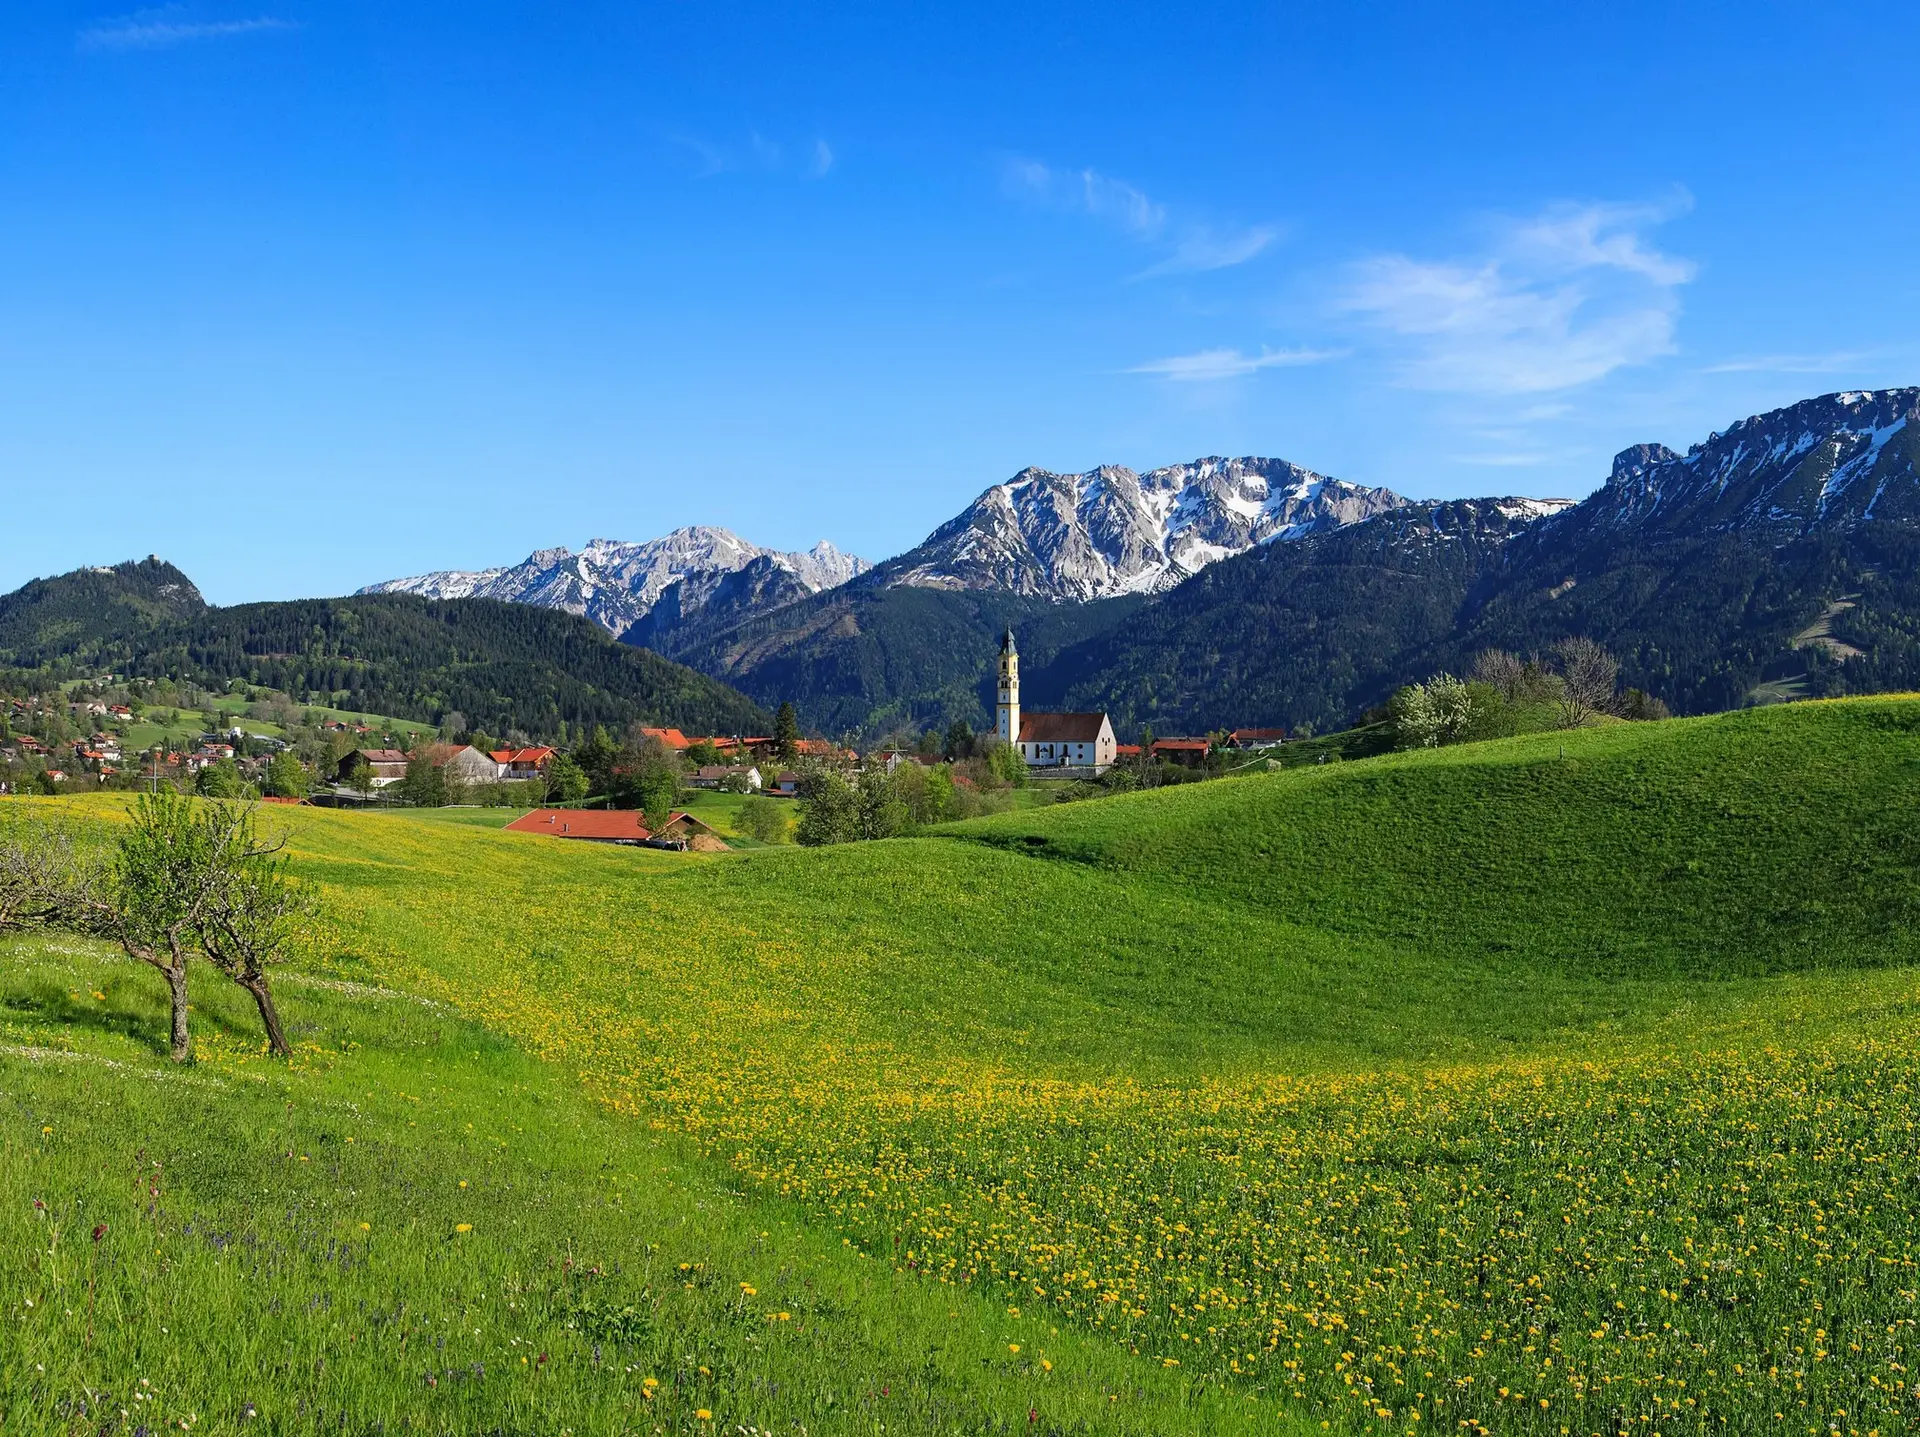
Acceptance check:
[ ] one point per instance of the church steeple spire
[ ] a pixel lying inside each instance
(1006, 713)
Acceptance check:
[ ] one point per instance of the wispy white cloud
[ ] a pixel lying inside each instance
(1215, 364)
(155, 29)
(1562, 299)
(1089, 191)
(1189, 247)
(1205, 249)
(1789, 364)
(822, 159)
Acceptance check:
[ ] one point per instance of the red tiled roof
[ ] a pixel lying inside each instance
(671, 737)
(382, 755)
(1256, 735)
(1126, 750)
(1179, 745)
(1060, 728)
(521, 755)
(598, 823)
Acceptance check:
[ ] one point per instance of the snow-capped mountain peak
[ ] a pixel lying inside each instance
(616, 583)
(1113, 531)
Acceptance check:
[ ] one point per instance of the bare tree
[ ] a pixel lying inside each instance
(46, 881)
(1588, 675)
(1500, 670)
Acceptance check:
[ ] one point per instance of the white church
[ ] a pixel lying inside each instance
(1083, 741)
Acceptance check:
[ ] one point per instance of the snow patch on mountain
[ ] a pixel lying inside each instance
(616, 583)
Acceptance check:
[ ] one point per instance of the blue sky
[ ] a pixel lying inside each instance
(303, 295)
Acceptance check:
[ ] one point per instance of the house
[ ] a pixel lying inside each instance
(734, 748)
(620, 825)
(389, 765)
(1126, 750)
(1189, 751)
(716, 775)
(685, 831)
(1076, 740)
(592, 825)
(786, 783)
(1257, 737)
(819, 748)
(671, 737)
(464, 763)
(522, 763)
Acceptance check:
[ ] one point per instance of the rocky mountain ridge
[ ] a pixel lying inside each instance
(616, 583)
(1112, 531)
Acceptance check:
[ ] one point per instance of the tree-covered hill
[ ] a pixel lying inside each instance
(78, 616)
(504, 667)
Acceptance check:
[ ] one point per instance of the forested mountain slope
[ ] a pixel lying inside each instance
(505, 667)
(1784, 552)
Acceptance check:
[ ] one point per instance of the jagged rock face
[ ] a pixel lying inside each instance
(1112, 531)
(1827, 463)
(617, 584)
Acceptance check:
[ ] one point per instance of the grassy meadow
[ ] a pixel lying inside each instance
(1562, 1084)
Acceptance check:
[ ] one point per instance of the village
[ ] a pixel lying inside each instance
(653, 786)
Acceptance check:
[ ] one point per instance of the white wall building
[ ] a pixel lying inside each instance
(1079, 740)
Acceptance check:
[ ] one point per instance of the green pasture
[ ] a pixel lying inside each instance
(1571, 1066)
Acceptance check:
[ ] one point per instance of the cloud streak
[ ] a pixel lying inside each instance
(1191, 248)
(170, 25)
(1213, 365)
(1563, 299)
(1788, 364)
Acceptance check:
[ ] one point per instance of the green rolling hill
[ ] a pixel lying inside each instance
(1557, 1081)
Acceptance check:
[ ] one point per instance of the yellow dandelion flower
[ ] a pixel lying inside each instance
(463, 1227)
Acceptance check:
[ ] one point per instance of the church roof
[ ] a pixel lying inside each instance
(1060, 728)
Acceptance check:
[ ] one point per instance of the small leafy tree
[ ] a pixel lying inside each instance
(425, 785)
(566, 780)
(656, 800)
(765, 819)
(220, 780)
(163, 877)
(1443, 710)
(286, 776)
(829, 808)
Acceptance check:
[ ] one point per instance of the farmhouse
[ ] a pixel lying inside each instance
(388, 765)
(522, 763)
(621, 825)
(1068, 740)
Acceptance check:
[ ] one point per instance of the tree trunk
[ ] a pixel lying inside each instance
(269, 1016)
(177, 982)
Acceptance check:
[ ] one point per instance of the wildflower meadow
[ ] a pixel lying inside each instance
(1544, 1086)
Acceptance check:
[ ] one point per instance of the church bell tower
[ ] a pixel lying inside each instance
(1006, 714)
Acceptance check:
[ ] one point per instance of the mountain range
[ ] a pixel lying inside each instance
(1778, 558)
(616, 584)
